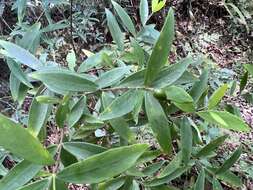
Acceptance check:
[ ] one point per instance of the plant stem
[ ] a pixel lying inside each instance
(58, 157)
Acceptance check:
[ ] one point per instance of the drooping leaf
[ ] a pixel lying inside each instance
(22, 143)
(158, 122)
(207, 149)
(225, 120)
(200, 183)
(103, 166)
(125, 18)
(144, 11)
(114, 28)
(230, 161)
(217, 96)
(186, 140)
(61, 80)
(83, 150)
(120, 106)
(161, 49)
(20, 55)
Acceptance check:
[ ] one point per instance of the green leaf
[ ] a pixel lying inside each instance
(38, 116)
(19, 74)
(83, 150)
(244, 81)
(171, 74)
(44, 99)
(153, 168)
(200, 183)
(120, 106)
(19, 175)
(76, 112)
(61, 80)
(111, 77)
(158, 122)
(186, 140)
(123, 129)
(112, 184)
(20, 55)
(207, 149)
(216, 185)
(103, 166)
(217, 96)
(71, 59)
(231, 161)
(161, 49)
(22, 143)
(18, 89)
(62, 112)
(126, 20)
(160, 181)
(225, 120)
(135, 79)
(114, 28)
(230, 178)
(144, 11)
(200, 86)
(38, 185)
(249, 68)
(21, 4)
(157, 5)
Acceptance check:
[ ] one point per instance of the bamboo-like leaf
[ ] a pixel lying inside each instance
(38, 185)
(158, 122)
(230, 162)
(225, 120)
(83, 150)
(200, 183)
(217, 96)
(76, 112)
(216, 185)
(244, 81)
(71, 59)
(20, 55)
(114, 28)
(22, 143)
(206, 150)
(125, 18)
(61, 80)
(186, 140)
(103, 166)
(112, 184)
(144, 11)
(200, 86)
(161, 49)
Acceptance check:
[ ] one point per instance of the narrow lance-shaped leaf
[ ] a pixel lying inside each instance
(158, 122)
(120, 106)
(186, 140)
(76, 112)
(199, 87)
(231, 161)
(114, 28)
(22, 143)
(225, 120)
(38, 115)
(206, 150)
(217, 96)
(144, 11)
(61, 80)
(200, 183)
(244, 81)
(216, 185)
(125, 18)
(38, 185)
(103, 166)
(161, 49)
(20, 55)
(83, 150)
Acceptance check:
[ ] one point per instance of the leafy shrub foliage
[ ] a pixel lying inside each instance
(128, 118)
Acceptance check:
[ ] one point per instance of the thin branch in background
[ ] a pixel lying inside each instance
(71, 26)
